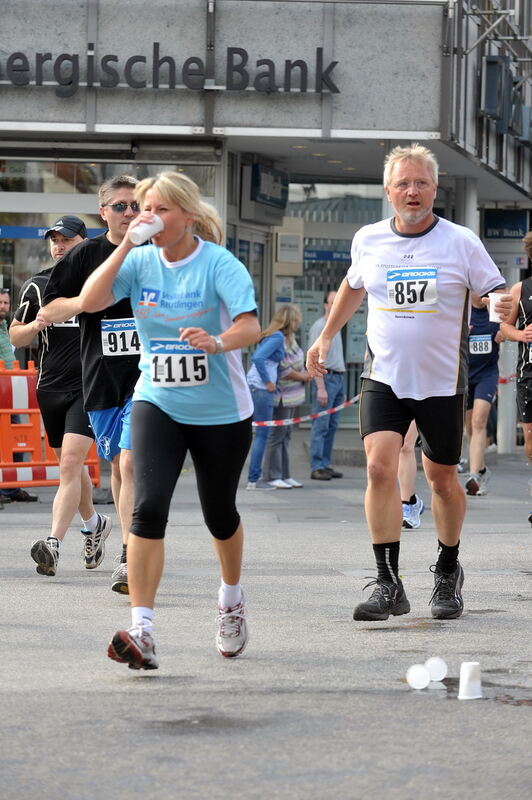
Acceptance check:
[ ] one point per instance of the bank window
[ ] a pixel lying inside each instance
(54, 177)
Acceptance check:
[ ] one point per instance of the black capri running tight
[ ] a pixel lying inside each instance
(159, 446)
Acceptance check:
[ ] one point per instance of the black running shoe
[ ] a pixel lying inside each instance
(386, 598)
(446, 599)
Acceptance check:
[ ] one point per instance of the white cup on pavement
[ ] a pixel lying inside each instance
(437, 668)
(494, 298)
(470, 685)
(418, 676)
(145, 230)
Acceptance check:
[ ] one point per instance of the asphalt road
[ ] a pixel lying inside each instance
(318, 706)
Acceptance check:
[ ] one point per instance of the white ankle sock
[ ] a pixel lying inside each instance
(92, 523)
(229, 595)
(142, 617)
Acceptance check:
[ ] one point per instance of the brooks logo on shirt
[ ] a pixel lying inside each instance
(149, 297)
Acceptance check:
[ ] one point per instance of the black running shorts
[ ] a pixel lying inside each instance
(62, 412)
(440, 420)
(524, 400)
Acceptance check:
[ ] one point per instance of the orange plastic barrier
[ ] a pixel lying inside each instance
(18, 396)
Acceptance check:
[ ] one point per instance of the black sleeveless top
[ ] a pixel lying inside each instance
(524, 318)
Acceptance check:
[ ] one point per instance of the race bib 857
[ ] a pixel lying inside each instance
(413, 286)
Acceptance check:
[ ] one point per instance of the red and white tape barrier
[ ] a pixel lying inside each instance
(294, 420)
(509, 379)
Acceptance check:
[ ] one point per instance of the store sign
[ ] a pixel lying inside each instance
(158, 71)
(326, 255)
(30, 232)
(505, 224)
(289, 247)
(269, 186)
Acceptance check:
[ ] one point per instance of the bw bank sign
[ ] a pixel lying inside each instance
(69, 72)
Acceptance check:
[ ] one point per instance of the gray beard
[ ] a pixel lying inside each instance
(413, 217)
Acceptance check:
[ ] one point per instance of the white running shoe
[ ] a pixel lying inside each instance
(412, 513)
(94, 544)
(134, 647)
(232, 635)
(477, 485)
(278, 483)
(46, 555)
(293, 483)
(119, 578)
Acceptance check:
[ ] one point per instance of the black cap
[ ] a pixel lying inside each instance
(69, 227)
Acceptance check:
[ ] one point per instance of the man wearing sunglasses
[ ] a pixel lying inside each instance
(110, 349)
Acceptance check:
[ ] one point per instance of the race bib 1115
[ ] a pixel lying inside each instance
(176, 363)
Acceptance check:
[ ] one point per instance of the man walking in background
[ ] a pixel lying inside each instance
(327, 392)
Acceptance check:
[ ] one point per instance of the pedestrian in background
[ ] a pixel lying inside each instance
(328, 391)
(291, 393)
(262, 380)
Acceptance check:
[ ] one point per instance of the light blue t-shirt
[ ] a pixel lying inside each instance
(206, 290)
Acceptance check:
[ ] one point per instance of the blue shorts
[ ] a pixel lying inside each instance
(112, 429)
(483, 389)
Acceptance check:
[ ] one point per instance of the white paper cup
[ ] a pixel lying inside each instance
(144, 230)
(470, 686)
(494, 298)
(417, 676)
(437, 668)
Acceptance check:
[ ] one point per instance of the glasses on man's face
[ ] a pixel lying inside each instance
(119, 208)
(420, 185)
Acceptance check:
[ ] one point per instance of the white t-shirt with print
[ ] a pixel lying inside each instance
(418, 303)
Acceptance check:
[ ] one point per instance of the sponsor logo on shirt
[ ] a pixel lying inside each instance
(117, 324)
(172, 346)
(149, 297)
(408, 273)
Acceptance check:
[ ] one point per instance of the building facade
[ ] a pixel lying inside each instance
(265, 104)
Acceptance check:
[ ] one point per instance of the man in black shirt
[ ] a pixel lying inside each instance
(110, 349)
(60, 399)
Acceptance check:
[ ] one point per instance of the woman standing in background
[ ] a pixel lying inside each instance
(291, 393)
(262, 380)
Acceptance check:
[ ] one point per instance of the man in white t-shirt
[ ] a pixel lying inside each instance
(418, 271)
